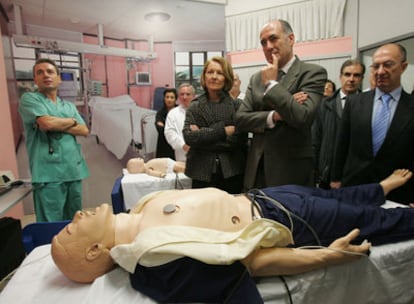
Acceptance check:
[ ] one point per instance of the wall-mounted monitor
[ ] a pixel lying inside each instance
(68, 88)
(143, 78)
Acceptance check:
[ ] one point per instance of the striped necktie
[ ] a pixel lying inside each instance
(380, 124)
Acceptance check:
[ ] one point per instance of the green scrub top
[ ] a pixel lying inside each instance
(65, 161)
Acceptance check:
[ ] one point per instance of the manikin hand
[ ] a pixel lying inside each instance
(343, 245)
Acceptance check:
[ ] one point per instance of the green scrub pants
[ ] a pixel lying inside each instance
(57, 201)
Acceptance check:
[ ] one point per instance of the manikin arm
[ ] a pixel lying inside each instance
(289, 261)
(151, 171)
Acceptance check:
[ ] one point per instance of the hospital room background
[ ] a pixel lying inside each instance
(342, 29)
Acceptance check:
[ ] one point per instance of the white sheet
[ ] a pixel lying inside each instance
(384, 277)
(117, 125)
(135, 186)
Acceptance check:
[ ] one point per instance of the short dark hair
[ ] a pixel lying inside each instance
(350, 62)
(45, 60)
(332, 83)
(287, 29)
(171, 90)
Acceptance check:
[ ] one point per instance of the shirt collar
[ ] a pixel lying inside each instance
(287, 66)
(396, 94)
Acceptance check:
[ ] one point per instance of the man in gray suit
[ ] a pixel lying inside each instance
(362, 156)
(281, 148)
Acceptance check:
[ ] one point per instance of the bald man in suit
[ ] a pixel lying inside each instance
(357, 160)
(281, 151)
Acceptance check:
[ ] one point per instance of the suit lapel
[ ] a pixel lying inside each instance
(289, 80)
(402, 117)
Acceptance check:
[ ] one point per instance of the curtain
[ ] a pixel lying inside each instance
(310, 20)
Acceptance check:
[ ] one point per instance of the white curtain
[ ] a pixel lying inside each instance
(310, 20)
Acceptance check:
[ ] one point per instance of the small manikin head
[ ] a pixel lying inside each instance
(136, 165)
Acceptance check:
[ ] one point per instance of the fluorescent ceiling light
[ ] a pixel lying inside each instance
(157, 17)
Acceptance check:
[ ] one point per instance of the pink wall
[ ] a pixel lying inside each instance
(8, 159)
(112, 70)
(323, 48)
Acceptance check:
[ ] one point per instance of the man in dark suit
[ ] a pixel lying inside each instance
(358, 160)
(281, 148)
(328, 119)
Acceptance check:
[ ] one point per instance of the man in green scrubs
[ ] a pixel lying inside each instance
(56, 162)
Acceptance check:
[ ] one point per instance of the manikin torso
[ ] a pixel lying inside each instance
(198, 208)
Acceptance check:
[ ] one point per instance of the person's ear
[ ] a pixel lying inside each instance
(95, 251)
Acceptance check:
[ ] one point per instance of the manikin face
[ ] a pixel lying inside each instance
(169, 100)
(46, 77)
(214, 77)
(136, 165)
(81, 249)
(88, 225)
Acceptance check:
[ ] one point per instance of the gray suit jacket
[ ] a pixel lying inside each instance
(354, 162)
(287, 148)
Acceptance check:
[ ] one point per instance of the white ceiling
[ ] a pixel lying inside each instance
(190, 20)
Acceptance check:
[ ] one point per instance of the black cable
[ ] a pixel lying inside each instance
(49, 142)
(287, 289)
(178, 184)
(277, 204)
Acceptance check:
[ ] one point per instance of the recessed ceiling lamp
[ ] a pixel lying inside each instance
(157, 17)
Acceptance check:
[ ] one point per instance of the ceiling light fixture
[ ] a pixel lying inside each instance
(157, 17)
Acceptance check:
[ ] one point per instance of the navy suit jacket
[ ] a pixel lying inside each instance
(354, 161)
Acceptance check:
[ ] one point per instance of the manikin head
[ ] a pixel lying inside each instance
(136, 165)
(81, 249)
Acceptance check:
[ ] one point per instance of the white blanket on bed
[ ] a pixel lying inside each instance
(385, 277)
(119, 121)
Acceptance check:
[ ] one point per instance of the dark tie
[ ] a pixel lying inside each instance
(280, 75)
(380, 125)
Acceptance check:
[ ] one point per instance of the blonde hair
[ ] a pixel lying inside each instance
(227, 70)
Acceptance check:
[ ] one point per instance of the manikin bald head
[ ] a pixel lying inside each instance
(136, 165)
(81, 249)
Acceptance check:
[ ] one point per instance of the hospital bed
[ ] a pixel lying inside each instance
(120, 124)
(384, 277)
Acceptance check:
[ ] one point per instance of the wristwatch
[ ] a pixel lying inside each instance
(75, 122)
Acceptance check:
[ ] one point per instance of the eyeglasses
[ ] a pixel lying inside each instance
(386, 65)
